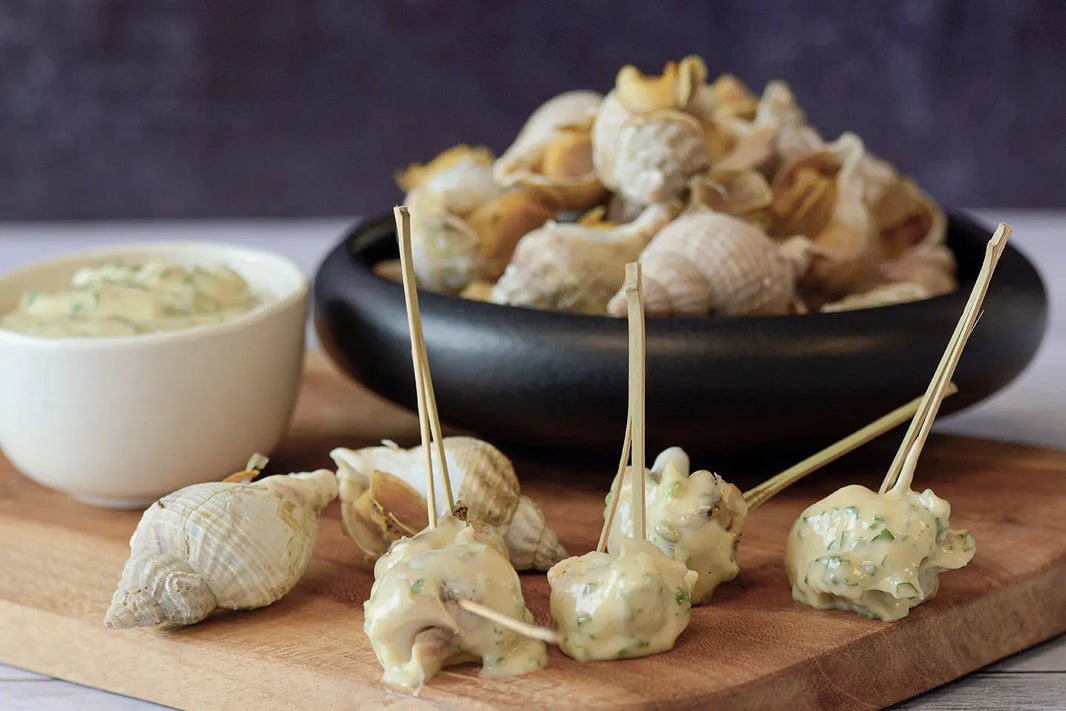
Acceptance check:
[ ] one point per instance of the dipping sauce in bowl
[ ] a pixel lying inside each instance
(116, 299)
(129, 372)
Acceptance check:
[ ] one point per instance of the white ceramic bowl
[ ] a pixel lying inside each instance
(122, 421)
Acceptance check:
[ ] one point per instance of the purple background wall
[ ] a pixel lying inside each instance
(191, 108)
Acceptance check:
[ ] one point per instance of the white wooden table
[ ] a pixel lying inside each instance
(1031, 410)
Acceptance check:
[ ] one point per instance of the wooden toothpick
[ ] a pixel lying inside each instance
(544, 634)
(616, 486)
(635, 306)
(414, 325)
(760, 494)
(901, 474)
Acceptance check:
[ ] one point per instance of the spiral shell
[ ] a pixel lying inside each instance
(710, 263)
(648, 138)
(931, 266)
(743, 193)
(230, 545)
(456, 171)
(907, 218)
(826, 195)
(552, 155)
(463, 225)
(575, 267)
(482, 478)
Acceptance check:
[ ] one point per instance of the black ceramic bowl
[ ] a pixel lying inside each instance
(731, 386)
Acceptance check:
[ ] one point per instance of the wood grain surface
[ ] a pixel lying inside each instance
(751, 648)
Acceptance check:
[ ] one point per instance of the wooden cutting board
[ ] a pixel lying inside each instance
(752, 648)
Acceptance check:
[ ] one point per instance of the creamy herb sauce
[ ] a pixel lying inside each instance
(631, 604)
(696, 519)
(876, 554)
(413, 622)
(122, 300)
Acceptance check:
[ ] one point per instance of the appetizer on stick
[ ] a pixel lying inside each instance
(697, 518)
(448, 594)
(881, 553)
(636, 601)
(234, 544)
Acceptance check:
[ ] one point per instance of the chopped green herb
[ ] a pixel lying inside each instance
(674, 490)
(607, 499)
(416, 586)
(906, 590)
(681, 596)
(496, 629)
(582, 619)
(589, 588)
(884, 535)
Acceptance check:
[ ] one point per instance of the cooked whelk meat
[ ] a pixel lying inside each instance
(220, 545)
(414, 622)
(633, 603)
(877, 554)
(695, 518)
(383, 490)
(574, 267)
(709, 263)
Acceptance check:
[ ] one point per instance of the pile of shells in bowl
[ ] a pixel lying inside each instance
(734, 204)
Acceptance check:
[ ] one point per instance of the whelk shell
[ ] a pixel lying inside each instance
(572, 267)
(741, 193)
(483, 479)
(710, 263)
(552, 154)
(463, 225)
(823, 196)
(648, 138)
(231, 545)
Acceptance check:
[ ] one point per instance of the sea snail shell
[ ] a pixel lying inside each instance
(377, 511)
(222, 545)
(552, 155)
(707, 263)
(464, 226)
(576, 267)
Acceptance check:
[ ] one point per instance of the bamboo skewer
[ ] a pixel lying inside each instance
(616, 487)
(923, 420)
(760, 494)
(635, 305)
(429, 421)
(434, 418)
(544, 634)
(414, 324)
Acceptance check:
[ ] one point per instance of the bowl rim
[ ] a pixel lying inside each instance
(269, 309)
(360, 228)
